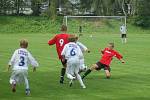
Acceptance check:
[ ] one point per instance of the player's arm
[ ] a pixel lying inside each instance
(119, 56)
(80, 53)
(11, 62)
(102, 51)
(52, 41)
(32, 61)
(83, 47)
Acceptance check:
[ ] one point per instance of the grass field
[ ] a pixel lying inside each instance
(130, 81)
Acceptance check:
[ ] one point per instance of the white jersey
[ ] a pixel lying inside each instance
(82, 46)
(21, 59)
(123, 29)
(72, 50)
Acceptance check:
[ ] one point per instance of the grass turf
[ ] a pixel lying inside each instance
(130, 81)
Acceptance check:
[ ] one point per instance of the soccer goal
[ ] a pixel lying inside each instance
(94, 24)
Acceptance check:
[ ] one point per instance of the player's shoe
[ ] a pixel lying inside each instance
(84, 87)
(13, 87)
(27, 92)
(61, 80)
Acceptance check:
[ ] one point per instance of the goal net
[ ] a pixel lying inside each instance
(94, 24)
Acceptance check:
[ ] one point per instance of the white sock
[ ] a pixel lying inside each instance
(70, 76)
(80, 80)
(26, 83)
(125, 40)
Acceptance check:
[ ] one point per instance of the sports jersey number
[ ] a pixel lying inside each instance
(61, 41)
(21, 63)
(72, 52)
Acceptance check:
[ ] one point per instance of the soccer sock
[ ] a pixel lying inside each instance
(27, 83)
(86, 73)
(70, 76)
(80, 80)
(125, 40)
(63, 70)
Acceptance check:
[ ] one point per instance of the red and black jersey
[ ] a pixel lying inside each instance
(59, 40)
(108, 56)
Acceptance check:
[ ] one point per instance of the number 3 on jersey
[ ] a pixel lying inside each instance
(21, 63)
(61, 41)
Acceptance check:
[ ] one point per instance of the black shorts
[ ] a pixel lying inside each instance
(123, 35)
(102, 66)
(64, 62)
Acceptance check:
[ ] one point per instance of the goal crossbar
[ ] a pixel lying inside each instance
(66, 17)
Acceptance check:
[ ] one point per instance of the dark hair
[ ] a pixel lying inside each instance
(63, 28)
(112, 44)
(23, 43)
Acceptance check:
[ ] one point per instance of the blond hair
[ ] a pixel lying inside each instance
(23, 43)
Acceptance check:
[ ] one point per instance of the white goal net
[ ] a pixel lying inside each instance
(94, 24)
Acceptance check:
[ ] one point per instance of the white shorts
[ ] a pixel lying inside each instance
(73, 66)
(82, 65)
(18, 76)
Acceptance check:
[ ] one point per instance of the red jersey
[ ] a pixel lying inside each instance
(60, 40)
(108, 56)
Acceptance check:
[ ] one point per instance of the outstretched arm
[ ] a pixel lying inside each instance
(120, 57)
(33, 62)
(52, 41)
(12, 60)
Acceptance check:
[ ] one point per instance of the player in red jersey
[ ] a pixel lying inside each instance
(60, 40)
(104, 63)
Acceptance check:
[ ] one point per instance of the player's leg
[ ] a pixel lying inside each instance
(80, 80)
(63, 70)
(107, 72)
(27, 87)
(83, 67)
(125, 38)
(13, 81)
(76, 71)
(94, 67)
(70, 72)
(122, 38)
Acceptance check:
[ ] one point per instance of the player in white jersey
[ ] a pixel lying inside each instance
(83, 48)
(72, 53)
(123, 33)
(19, 65)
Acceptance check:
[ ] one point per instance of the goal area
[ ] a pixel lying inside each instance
(94, 24)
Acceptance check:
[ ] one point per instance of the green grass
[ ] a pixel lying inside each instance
(28, 24)
(32, 24)
(130, 81)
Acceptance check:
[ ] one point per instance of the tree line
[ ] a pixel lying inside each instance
(137, 9)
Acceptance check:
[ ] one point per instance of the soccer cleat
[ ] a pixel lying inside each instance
(61, 80)
(84, 87)
(13, 87)
(27, 92)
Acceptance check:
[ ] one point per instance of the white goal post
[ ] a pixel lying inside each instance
(66, 18)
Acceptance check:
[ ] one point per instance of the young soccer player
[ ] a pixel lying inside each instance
(83, 48)
(60, 40)
(104, 63)
(73, 53)
(123, 33)
(19, 65)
